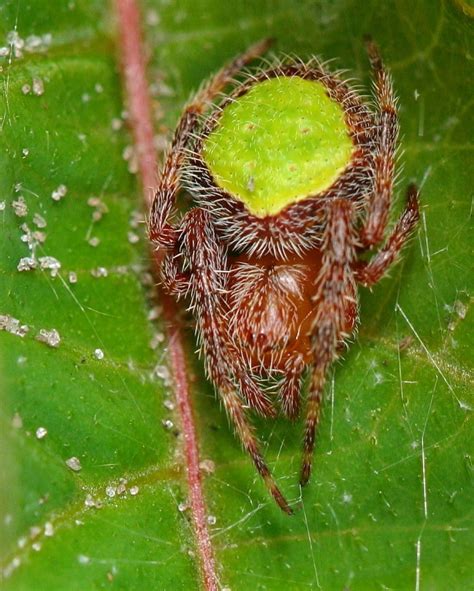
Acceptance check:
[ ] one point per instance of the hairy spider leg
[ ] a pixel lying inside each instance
(161, 232)
(198, 234)
(205, 257)
(384, 159)
(335, 292)
(290, 390)
(369, 273)
(173, 279)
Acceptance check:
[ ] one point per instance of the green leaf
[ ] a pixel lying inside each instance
(389, 505)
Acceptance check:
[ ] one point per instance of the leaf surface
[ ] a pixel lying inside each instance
(389, 502)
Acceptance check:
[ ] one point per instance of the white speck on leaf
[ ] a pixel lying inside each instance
(38, 86)
(39, 221)
(20, 207)
(74, 464)
(99, 272)
(49, 337)
(133, 238)
(17, 421)
(94, 241)
(41, 432)
(13, 326)
(59, 193)
(27, 264)
(50, 263)
(211, 519)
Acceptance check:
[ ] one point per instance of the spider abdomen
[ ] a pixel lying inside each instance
(272, 309)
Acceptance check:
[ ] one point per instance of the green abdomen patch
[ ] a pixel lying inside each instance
(281, 142)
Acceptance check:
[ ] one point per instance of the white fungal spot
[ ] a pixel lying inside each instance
(16, 43)
(134, 490)
(48, 529)
(89, 501)
(460, 309)
(41, 432)
(136, 219)
(156, 340)
(110, 491)
(26, 89)
(161, 371)
(211, 519)
(207, 466)
(74, 464)
(94, 241)
(132, 237)
(39, 221)
(154, 313)
(25, 152)
(59, 193)
(72, 277)
(99, 354)
(129, 154)
(20, 207)
(83, 559)
(17, 421)
(99, 272)
(169, 404)
(347, 498)
(152, 17)
(49, 337)
(13, 325)
(50, 263)
(21, 542)
(27, 264)
(38, 86)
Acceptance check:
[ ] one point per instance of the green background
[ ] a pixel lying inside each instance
(390, 503)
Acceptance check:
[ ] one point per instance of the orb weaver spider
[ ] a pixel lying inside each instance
(292, 175)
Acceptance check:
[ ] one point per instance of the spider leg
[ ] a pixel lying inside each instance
(369, 273)
(174, 280)
(384, 158)
(291, 386)
(206, 259)
(335, 293)
(163, 234)
(207, 276)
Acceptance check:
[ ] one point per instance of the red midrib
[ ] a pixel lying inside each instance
(141, 122)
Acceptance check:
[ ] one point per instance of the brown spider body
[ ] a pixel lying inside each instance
(275, 294)
(272, 308)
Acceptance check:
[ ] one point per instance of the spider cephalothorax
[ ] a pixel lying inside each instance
(292, 175)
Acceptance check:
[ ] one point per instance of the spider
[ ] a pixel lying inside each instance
(292, 176)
